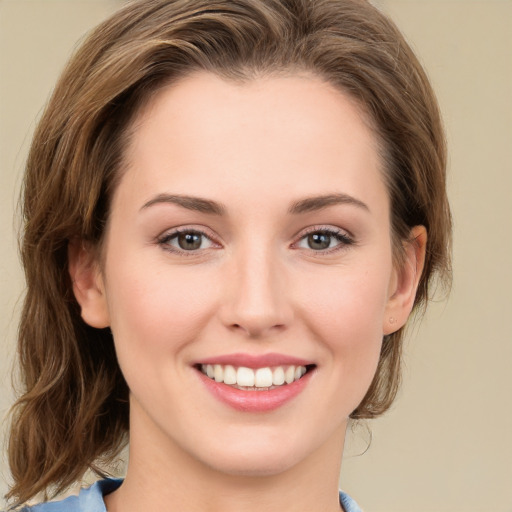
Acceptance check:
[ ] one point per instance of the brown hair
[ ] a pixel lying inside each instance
(73, 412)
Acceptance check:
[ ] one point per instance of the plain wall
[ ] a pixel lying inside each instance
(446, 445)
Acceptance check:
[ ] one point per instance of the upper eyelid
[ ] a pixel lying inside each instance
(344, 237)
(207, 232)
(325, 228)
(169, 233)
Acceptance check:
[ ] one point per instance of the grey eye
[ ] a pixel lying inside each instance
(189, 241)
(323, 239)
(319, 241)
(186, 241)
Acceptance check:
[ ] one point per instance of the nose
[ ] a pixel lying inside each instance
(256, 299)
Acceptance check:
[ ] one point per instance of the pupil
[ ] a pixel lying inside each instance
(189, 241)
(319, 241)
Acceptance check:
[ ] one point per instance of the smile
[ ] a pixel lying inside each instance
(255, 384)
(254, 379)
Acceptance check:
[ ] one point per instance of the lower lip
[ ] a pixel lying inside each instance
(255, 401)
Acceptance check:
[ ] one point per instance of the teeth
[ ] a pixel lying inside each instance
(299, 372)
(263, 378)
(289, 374)
(249, 378)
(245, 377)
(229, 375)
(278, 376)
(218, 373)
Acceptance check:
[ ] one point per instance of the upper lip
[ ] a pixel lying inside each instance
(255, 361)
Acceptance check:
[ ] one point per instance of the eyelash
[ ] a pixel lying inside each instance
(342, 237)
(164, 240)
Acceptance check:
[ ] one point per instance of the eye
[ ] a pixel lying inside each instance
(185, 240)
(325, 240)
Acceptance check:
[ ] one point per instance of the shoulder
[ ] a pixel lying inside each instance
(89, 499)
(348, 504)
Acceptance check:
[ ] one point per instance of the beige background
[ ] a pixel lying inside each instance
(447, 443)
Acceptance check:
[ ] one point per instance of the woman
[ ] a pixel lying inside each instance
(231, 209)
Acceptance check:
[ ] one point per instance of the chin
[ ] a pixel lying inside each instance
(247, 458)
(244, 465)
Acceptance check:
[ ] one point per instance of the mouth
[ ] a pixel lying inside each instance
(255, 379)
(255, 383)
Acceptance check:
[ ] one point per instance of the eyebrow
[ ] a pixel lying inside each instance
(309, 204)
(197, 204)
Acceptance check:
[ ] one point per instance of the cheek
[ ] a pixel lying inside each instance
(157, 312)
(347, 302)
(345, 312)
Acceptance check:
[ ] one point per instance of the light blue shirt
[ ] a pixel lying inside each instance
(90, 499)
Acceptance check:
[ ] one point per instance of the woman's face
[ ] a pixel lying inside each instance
(250, 230)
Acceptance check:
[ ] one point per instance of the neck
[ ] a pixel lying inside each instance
(162, 476)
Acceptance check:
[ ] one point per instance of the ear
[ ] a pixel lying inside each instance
(404, 283)
(88, 285)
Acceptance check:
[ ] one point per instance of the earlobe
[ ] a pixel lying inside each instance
(405, 282)
(88, 285)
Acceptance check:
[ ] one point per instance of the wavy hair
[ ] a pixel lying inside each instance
(72, 413)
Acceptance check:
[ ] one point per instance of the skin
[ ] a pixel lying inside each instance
(255, 286)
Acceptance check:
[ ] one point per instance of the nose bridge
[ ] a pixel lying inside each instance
(257, 300)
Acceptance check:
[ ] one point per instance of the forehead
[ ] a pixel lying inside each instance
(267, 137)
